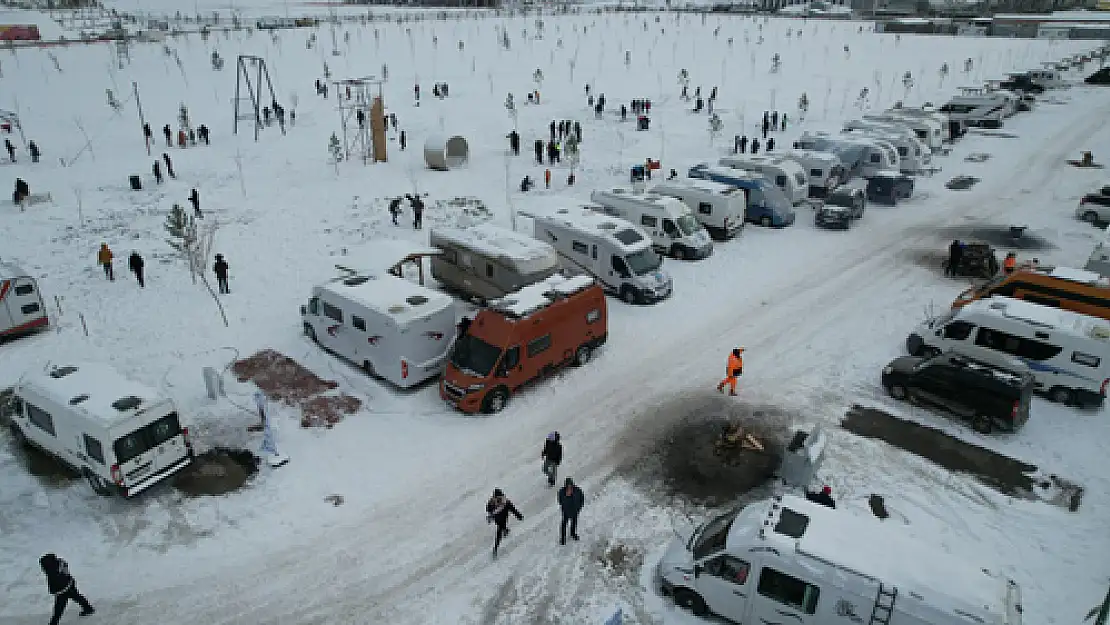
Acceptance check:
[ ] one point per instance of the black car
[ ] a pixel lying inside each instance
(1022, 83)
(852, 198)
(988, 394)
(888, 187)
(833, 217)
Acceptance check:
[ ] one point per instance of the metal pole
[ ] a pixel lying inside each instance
(238, 78)
(142, 120)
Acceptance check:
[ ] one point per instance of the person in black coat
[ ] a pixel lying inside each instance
(755, 146)
(61, 585)
(770, 144)
(514, 142)
(552, 456)
(33, 150)
(498, 510)
(156, 169)
(395, 209)
(417, 212)
(571, 500)
(538, 146)
(11, 149)
(221, 274)
(955, 256)
(135, 263)
(169, 135)
(823, 498)
(194, 199)
(169, 164)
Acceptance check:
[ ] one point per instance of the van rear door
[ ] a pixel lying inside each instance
(149, 453)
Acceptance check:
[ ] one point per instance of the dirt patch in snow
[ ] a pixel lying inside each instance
(620, 559)
(1002, 473)
(217, 472)
(997, 236)
(685, 456)
(284, 379)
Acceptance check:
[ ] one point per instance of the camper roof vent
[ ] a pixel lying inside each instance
(396, 308)
(620, 190)
(416, 300)
(562, 211)
(127, 403)
(998, 305)
(607, 225)
(61, 372)
(355, 281)
(76, 400)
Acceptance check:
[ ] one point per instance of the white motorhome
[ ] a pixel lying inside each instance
(121, 436)
(1047, 78)
(979, 107)
(927, 130)
(487, 262)
(22, 308)
(861, 156)
(788, 560)
(671, 224)
(913, 155)
(618, 254)
(824, 170)
(950, 130)
(390, 327)
(784, 172)
(718, 207)
(1068, 353)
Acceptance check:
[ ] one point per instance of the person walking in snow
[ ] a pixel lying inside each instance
(135, 263)
(578, 132)
(755, 146)
(148, 135)
(775, 120)
(783, 120)
(547, 178)
(744, 144)
(514, 142)
(104, 258)
(417, 212)
(770, 144)
(11, 149)
(202, 132)
(551, 455)
(733, 370)
(221, 274)
(169, 135)
(33, 150)
(194, 199)
(571, 499)
(60, 583)
(169, 165)
(498, 509)
(156, 169)
(395, 209)
(403, 139)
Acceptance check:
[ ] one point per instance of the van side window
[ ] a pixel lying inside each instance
(902, 151)
(451, 256)
(705, 208)
(489, 270)
(648, 220)
(780, 181)
(816, 173)
(581, 248)
(465, 260)
(1086, 360)
(958, 330)
(539, 346)
(670, 228)
(24, 289)
(41, 419)
(729, 569)
(1015, 345)
(595, 314)
(620, 267)
(358, 322)
(29, 309)
(788, 590)
(333, 313)
(512, 358)
(94, 449)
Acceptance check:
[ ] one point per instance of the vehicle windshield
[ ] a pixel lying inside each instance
(688, 225)
(644, 262)
(712, 536)
(146, 438)
(473, 356)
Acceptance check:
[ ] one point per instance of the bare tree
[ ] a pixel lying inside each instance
(193, 242)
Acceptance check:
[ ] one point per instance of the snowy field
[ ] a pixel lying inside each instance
(819, 312)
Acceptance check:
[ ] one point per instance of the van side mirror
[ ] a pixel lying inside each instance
(697, 570)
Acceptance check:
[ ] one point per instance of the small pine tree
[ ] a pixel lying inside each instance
(182, 229)
(336, 151)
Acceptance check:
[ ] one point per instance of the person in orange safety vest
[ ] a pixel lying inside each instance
(734, 371)
(1010, 263)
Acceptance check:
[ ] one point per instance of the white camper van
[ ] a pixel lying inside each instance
(1068, 353)
(949, 130)
(718, 207)
(913, 155)
(825, 172)
(1047, 78)
(392, 328)
(788, 560)
(673, 228)
(612, 250)
(122, 436)
(861, 156)
(785, 173)
(927, 130)
(22, 308)
(487, 262)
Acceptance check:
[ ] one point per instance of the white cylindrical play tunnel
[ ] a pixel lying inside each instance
(444, 153)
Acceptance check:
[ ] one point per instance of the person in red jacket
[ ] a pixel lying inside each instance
(733, 371)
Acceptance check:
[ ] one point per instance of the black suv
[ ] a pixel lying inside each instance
(987, 394)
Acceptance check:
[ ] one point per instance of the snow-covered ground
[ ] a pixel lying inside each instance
(819, 312)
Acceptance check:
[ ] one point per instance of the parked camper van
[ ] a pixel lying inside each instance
(1077, 290)
(913, 155)
(121, 436)
(523, 337)
(786, 173)
(860, 157)
(1047, 78)
(672, 226)
(1099, 262)
(486, 261)
(978, 107)
(767, 205)
(788, 560)
(950, 129)
(718, 207)
(927, 130)
(615, 252)
(390, 327)
(22, 308)
(824, 170)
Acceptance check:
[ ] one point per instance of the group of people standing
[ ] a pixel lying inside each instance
(137, 265)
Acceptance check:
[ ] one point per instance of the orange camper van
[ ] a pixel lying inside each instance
(1078, 290)
(524, 336)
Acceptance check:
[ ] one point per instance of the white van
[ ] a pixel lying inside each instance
(672, 226)
(718, 207)
(927, 130)
(862, 157)
(487, 262)
(1068, 353)
(913, 155)
(786, 173)
(392, 328)
(618, 254)
(949, 129)
(22, 309)
(790, 561)
(122, 436)
(825, 172)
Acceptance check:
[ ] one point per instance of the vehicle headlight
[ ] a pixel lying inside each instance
(888, 370)
(475, 387)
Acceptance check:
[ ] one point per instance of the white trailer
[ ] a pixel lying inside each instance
(949, 130)
(913, 155)
(719, 207)
(861, 156)
(671, 224)
(927, 130)
(22, 308)
(486, 262)
(784, 172)
(390, 327)
(824, 170)
(122, 436)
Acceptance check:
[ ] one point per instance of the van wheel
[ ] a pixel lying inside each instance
(628, 296)
(582, 355)
(1090, 217)
(982, 424)
(765, 221)
(691, 601)
(368, 369)
(98, 484)
(495, 400)
(310, 333)
(18, 437)
(897, 391)
(1061, 395)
